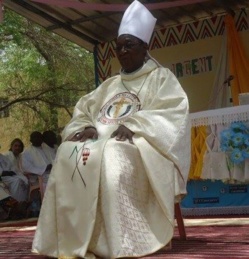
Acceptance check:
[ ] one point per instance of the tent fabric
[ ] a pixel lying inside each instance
(221, 92)
(238, 62)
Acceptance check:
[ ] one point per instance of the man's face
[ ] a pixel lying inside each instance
(16, 148)
(131, 52)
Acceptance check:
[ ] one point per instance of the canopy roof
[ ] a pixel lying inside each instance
(91, 22)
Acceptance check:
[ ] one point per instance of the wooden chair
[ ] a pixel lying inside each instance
(3, 185)
(180, 222)
(180, 225)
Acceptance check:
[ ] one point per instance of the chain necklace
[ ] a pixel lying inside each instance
(134, 91)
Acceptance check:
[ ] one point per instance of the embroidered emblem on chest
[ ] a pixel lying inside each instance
(118, 108)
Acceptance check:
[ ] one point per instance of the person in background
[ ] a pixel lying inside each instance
(12, 175)
(124, 159)
(14, 155)
(16, 148)
(35, 160)
(50, 144)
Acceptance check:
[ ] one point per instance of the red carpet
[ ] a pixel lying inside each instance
(227, 242)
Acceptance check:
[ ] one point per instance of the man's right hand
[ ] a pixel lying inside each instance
(87, 133)
(8, 173)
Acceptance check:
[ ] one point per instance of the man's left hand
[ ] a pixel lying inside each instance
(122, 134)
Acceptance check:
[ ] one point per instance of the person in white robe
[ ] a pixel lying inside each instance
(124, 159)
(50, 144)
(16, 148)
(11, 173)
(19, 189)
(35, 160)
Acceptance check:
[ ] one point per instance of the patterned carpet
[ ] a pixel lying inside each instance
(209, 239)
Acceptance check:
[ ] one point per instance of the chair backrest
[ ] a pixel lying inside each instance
(35, 183)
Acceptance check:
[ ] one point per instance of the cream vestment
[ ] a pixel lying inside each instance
(111, 198)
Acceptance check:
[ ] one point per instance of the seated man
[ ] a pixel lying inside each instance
(14, 154)
(124, 160)
(13, 178)
(16, 148)
(50, 144)
(35, 160)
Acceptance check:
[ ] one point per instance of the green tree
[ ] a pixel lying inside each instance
(41, 73)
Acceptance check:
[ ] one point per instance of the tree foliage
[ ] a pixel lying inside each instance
(40, 73)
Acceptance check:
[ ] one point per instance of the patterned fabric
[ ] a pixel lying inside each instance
(130, 194)
(172, 36)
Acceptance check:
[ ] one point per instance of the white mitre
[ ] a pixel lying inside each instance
(137, 21)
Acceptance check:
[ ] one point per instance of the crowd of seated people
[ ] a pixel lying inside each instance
(19, 170)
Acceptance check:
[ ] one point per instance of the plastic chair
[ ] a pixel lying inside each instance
(37, 185)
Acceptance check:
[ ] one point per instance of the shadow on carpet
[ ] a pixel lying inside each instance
(227, 242)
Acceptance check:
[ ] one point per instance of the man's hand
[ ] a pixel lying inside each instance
(122, 134)
(8, 173)
(87, 133)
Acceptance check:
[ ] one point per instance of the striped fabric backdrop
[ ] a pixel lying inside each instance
(172, 36)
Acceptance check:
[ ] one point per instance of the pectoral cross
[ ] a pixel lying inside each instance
(119, 105)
